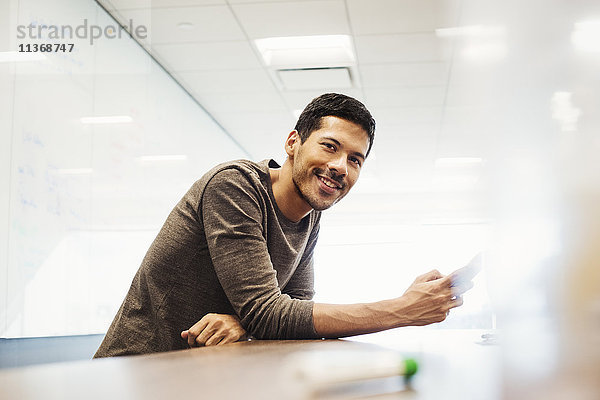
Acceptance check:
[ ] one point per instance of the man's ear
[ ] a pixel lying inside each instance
(291, 143)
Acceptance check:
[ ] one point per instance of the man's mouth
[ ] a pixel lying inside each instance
(329, 182)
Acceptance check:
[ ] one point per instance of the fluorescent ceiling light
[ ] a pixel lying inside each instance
(74, 171)
(585, 36)
(168, 157)
(15, 56)
(458, 161)
(316, 51)
(115, 119)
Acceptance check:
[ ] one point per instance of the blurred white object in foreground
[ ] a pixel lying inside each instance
(543, 113)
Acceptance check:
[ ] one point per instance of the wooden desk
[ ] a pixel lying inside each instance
(255, 370)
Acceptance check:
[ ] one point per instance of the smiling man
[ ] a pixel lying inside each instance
(235, 256)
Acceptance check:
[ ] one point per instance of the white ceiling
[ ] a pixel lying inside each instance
(417, 84)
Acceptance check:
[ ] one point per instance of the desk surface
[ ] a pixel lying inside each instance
(452, 365)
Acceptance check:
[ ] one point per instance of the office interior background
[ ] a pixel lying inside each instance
(487, 139)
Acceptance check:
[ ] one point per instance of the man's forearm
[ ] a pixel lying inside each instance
(339, 320)
(425, 302)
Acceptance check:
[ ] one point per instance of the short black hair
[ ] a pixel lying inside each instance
(335, 105)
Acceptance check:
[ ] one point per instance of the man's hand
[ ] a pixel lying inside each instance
(214, 329)
(431, 296)
(428, 300)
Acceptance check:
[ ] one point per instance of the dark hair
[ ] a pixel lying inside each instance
(336, 105)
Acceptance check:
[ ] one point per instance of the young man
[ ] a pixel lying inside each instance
(235, 254)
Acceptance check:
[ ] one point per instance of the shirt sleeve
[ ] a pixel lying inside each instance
(301, 284)
(232, 215)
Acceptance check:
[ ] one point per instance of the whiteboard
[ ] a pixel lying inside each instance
(84, 201)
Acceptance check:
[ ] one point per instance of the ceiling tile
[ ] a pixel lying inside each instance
(206, 56)
(128, 4)
(469, 71)
(406, 96)
(407, 145)
(471, 84)
(401, 16)
(211, 23)
(315, 78)
(457, 115)
(390, 150)
(402, 115)
(263, 1)
(477, 12)
(261, 20)
(406, 130)
(401, 48)
(269, 121)
(462, 146)
(465, 121)
(233, 81)
(264, 101)
(297, 100)
(272, 150)
(406, 74)
(470, 95)
(262, 134)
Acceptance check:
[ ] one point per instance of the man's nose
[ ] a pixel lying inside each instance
(339, 165)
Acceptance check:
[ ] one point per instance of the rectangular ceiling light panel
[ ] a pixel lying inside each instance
(307, 51)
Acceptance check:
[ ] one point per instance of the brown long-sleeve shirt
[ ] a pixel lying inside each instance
(225, 248)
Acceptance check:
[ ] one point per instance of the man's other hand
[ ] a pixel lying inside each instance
(214, 329)
(430, 298)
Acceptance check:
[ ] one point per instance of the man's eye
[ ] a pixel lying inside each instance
(355, 161)
(329, 146)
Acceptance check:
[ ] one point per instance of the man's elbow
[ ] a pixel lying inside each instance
(270, 325)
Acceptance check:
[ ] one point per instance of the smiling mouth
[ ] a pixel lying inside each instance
(329, 183)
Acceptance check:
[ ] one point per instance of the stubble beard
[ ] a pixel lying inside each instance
(298, 179)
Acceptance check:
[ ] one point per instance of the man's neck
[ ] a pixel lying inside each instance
(289, 201)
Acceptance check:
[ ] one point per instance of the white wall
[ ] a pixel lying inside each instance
(81, 207)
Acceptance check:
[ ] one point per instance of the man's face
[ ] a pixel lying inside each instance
(328, 163)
